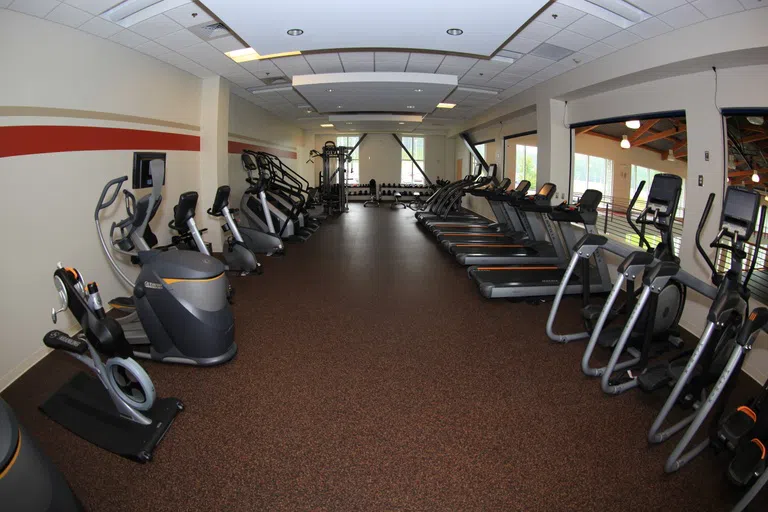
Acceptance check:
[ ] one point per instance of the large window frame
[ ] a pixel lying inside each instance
(598, 174)
(526, 171)
(409, 173)
(352, 168)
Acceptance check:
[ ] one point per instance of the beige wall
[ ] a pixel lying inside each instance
(623, 159)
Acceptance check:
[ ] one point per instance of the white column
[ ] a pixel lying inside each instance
(554, 154)
(214, 154)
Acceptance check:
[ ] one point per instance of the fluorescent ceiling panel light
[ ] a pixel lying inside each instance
(501, 58)
(327, 125)
(618, 12)
(477, 90)
(131, 12)
(272, 89)
(249, 54)
(446, 105)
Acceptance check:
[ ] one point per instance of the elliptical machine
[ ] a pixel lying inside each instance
(178, 312)
(118, 411)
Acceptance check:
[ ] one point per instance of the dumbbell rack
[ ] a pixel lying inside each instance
(387, 191)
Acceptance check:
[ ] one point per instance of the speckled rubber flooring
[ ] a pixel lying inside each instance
(372, 376)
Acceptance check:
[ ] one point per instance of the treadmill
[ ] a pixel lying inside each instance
(499, 198)
(447, 209)
(543, 245)
(518, 281)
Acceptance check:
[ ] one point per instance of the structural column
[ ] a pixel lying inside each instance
(554, 155)
(214, 152)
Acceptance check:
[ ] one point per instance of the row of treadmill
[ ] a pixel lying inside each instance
(630, 317)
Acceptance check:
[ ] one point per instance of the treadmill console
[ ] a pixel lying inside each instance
(739, 214)
(664, 195)
(585, 211)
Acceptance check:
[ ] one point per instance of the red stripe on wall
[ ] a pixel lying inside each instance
(32, 140)
(238, 147)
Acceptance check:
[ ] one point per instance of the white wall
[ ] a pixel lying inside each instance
(101, 84)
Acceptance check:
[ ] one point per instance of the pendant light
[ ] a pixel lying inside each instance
(671, 156)
(624, 142)
(755, 177)
(634, 124)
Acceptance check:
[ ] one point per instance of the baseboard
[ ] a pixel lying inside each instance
(19, 370)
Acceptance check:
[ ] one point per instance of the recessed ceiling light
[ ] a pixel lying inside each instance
(446, 105)
(454, 31)
(330, 90)
(295, 32)
(328, 125)
(348, 123)
(309, 111)
(410, 106)
(401, 122)
(340, 106)
(418, 90)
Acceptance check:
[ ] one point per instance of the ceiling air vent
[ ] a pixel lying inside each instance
(275, 80)
(210, 31)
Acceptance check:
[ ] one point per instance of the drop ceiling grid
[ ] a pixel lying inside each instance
(167, 38)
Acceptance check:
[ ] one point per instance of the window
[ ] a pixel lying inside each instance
(409, 173)
(352, 168)
(592, 172)
(639, 174)
(525, 164)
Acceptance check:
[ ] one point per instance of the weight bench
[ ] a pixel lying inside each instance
(374, 200)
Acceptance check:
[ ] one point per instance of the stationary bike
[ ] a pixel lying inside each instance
(118, 410)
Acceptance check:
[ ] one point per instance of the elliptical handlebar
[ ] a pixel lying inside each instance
(101, 204)
(759, 240)
(700, 228)
(639, 190)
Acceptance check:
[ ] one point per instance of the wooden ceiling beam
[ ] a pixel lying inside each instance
(741, 174)
(754, 138)
(647, 125)
(660, 135)
(585, 129)
(618, 141)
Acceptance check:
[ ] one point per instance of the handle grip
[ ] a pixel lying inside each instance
(101, 204)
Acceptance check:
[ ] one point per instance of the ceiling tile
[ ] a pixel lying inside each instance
(682, 16)
(100, 27)
(152, 48)
(5, 3)
(551, 52)
(189, 15)
(598, 49)
(522, 44)
(424, 62)
(156, 26)
(293, 66)
(68, 15)
(325, 62)
(570, 40)
(185, 64)
(244, 80)
(456, 65)
(34, 7)
(622, 39)
(657, 7)
(752, 4)
(357, 61)
(649, 28)
(593, 27)
(560, 15)
(128, 38)
(539, 31)
(715, 8)
(390, 61)
(94, 7)
(226, 44)
(209, 57)
(262, 68)
(179, 40)
(528, 63)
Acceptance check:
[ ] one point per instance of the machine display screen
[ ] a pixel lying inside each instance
(545, 190)
(740, 205)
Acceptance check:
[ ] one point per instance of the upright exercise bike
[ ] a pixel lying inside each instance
(118, 410)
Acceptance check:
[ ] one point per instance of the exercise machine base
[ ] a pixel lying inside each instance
(83, 407)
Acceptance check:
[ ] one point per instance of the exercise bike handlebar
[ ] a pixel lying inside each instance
(101, 204)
